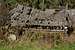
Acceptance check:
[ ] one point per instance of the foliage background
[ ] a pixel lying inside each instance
(43, 4)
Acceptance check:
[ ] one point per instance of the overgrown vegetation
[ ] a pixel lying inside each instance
(32, 46)
(43, 4)
(32, 37)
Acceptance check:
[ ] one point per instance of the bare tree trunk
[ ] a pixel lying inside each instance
(67, 6)
(3, 9)
(43, 5)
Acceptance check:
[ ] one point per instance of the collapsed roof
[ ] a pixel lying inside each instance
(23, 15)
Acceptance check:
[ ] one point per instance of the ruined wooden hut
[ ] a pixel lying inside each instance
(55, 20)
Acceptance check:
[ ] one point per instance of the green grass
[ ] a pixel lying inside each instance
(33, 46)
(65, 47)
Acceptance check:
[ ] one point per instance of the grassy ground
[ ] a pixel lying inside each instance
(34, 47)
(32, 42)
